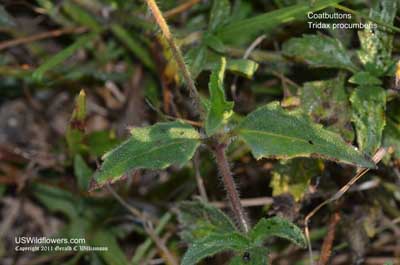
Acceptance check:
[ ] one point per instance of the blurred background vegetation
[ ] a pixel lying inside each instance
(50, 143)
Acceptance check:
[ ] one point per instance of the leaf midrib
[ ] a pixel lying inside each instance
(279, 136)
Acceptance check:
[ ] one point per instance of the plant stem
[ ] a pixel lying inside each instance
(176, 53)
(230, 187)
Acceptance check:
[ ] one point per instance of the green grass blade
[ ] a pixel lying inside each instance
(270, 20)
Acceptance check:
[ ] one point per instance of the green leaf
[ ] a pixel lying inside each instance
(272, 131)
(319, 51)
(220, 110)
(326, 102)
(53, 61)
(81, 16)
(365, 79)
(214, 244)
(214, 43)
(154, 147)
(253, 256)
(377, 44)
(76, 127)
(391, 137)
(114, 255)
(278, 227)
(243, 67)
(133, 45)
(200, 219)
(82, 172)
(219, 14)
(267, 22)
(6, 20)
(196, 59)
(369, 103)
(99, 142)
(57, 200)
(293, 176)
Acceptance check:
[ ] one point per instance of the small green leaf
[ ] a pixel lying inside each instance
(214, 244)
(271, 131)
(319, 51)
(200, 219)
(114, 255)
(196, 59)
(83, 172)
(369, 103)
(245, 29)
(253, 256)
(243, 67)
(278, 227)
(365, 79)
(57, 200)
(133, 45)
(76, 128)
(99, 142)
(220, 110)
(63, 55)
(214, 43)
(219, 14)
(154, 147)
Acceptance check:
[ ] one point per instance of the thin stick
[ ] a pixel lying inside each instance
(361, 172)
(176, 52)
(41, 36)
(326, 250)
(181, 8)
(252, 202)
(230, 187)
(170, 259)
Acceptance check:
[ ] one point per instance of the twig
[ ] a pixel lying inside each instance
(328, 241)
(135, 212)
(199, 179)
(361, 172)
(176, 52)
(41, 36)
(230, 187)
(253, 202)
(181, 8)
(160, 244)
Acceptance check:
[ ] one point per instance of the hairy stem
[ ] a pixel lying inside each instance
(230, 187)
(176, 53)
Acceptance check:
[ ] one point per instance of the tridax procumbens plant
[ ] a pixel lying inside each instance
(269, 131)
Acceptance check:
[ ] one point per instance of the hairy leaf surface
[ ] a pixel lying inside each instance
(377, 44)
(278, 227)
(319, 51)
(200, 219)
(214, 244)
(326, 101)
(272, 131)
(154, 147)
(369, 103)
(220, 109)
